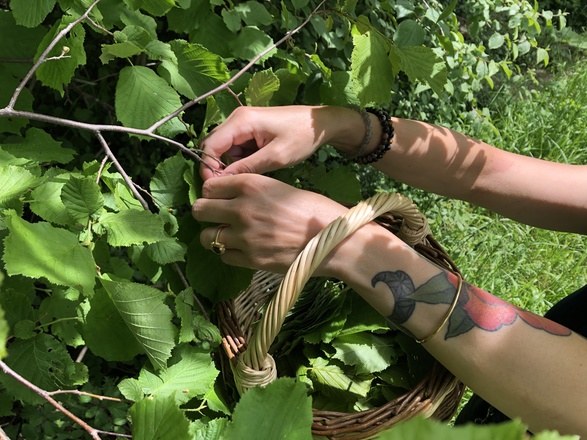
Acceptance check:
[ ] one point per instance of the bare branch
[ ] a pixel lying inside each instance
(45, 395)
(83, 393)
(228, 83)
(46, 52)
(123, 173)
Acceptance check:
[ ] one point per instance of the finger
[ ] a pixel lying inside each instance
(268, 158)
(212, 210)
(221, 234)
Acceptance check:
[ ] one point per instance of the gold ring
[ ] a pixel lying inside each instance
(217, 247)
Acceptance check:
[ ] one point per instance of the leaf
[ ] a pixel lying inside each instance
(340, 184)
(250, 42)
(422, 64)
(46, 198)
(159, 418)
(254, 13)
(196, 71)
(286, 410)
(45, 362)
(40, 250)
(166, 251)
(82, 198)
(496, 41)
(143, 98)
(168, 186)
(332, 378)
(36, 147)
(369, 353)
(14, 181)
(419, 428)
(212, 278)
(132, 226)
(184, 304)
(130, 315)
(213, 430)
(371, 69)
(261, 88)
(409, 33)
(4, 331)
(58, 72)
(192, 376)
(31, 14)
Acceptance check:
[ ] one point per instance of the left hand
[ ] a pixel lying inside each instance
(268, 222)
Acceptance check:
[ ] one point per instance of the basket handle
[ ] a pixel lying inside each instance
(255, 366)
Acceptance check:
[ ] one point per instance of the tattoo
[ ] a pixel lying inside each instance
(475, 307)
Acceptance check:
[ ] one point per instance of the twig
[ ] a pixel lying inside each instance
(101, 169)
(228, 83)
(123, 173)
(84, 393)
(45, 395)
(46, 52)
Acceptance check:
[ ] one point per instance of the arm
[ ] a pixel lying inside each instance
(537, 192)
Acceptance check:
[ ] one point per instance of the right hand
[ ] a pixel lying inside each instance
(262, 139)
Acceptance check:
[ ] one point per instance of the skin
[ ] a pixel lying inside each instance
(523, 364)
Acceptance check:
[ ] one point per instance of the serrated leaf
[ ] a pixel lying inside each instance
(184, 304)
(82, 198)
(24, 329)
(14, 181)
(369, 353)
(341, 184)
(409, 33)
(37, 146)
(58, 72)
(332, 378)
(168, 186)
(191, 377)
(166, 251)
(253, 13)
(250, 42)
(46, 198)
(129, 318)
(156, 419)
(213, 430)
(212, 278)
(422, 64)
(371, 68)
(143, 98)
(286, 409)
(131, 389)
(261, 88)
(25, 100)
(31, 14)
(45, 362)
(40, 250)
(132, 226)
(4, 330)
(197, 70)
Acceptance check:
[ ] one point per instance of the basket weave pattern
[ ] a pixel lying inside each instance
(248, 333)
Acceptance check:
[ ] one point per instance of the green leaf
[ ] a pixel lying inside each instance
(129, 318)
(261, 88)
(496, 41)
(409, 33)
(286, 410)
(45, 362)
(23, 42)
(46, 197)
(168, 186)
(419, 428)
(156, 419)
(371, 69)
(132, 226)
(192, 376)
(212, 278)
(368, 352)
(40, 250)
(422, 64)
(37, 146)
(24, 329)
(250, 42)
(14, 181)
(153, 7)
(31, 14)
(184, 304)
(341, 184)
(58, 72)
(166, 251)
(333, 379)
(254, 13)
(82, 198)
(4, 332)
(213, 430)
(143, 98)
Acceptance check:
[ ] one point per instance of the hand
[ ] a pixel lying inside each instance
(269, 222)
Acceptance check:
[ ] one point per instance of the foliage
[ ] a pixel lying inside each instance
(105, 286)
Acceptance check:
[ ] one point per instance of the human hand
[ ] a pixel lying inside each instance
(268, 222)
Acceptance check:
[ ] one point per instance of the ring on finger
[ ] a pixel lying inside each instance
(216, 246)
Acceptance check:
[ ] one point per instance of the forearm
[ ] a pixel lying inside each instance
(439, 160)
(525, 365)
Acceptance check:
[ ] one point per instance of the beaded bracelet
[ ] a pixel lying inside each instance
(447, 316)
(386, 137)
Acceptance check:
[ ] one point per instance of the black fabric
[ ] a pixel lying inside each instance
(571, 312)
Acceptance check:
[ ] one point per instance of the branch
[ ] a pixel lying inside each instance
(228, 83)
(46, 395)
(46, 52)
(123, 173)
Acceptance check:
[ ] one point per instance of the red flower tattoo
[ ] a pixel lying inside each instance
(477, 308)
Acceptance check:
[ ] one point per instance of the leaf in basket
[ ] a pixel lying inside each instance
(369, 353)
(281, 410)
(333, 380)
(419, 427)
(363, 317)
(419, 360)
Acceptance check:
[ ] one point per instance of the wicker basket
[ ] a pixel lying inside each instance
(248, 333)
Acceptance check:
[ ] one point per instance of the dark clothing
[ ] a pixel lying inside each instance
(571, 312)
